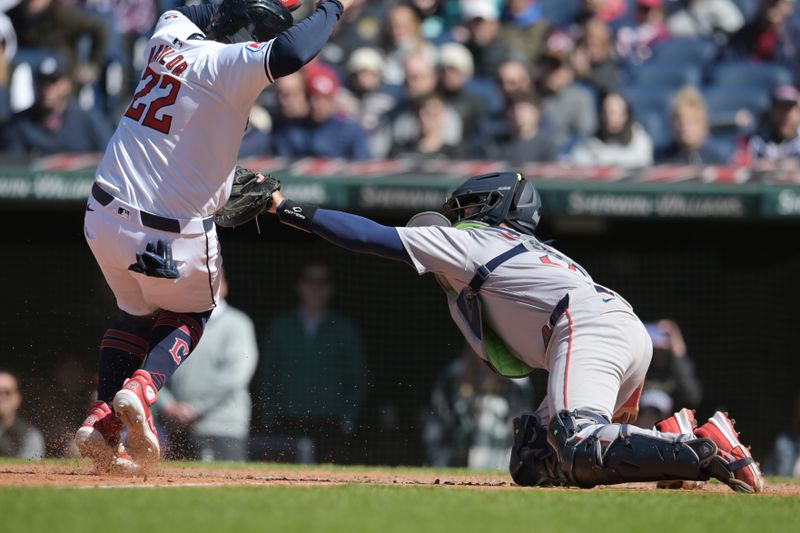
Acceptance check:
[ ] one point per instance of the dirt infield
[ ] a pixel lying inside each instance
(55, 475)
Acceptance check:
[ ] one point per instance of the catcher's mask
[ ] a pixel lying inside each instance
(496, 198)
(237, 21)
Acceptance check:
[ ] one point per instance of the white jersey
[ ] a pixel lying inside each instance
(175, 149)
(519, 296)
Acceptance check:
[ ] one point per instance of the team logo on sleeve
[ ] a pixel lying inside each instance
(256, 47)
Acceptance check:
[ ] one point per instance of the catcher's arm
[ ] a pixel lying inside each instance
(352, 232)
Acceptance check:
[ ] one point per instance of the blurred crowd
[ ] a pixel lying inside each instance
(588, 82)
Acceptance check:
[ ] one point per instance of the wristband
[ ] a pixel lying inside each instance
(297, 215)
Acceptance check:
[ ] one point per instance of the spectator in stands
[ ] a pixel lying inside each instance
(489, 51)
(55, 123)
(50, 25)
(8, 47)
(402, 39)
(635, 43)
(403, 126)
(619, 141)
(710, 19)
(18, 438)
(431, 142)
(612, 12)
(291, 99)
(438, 17)
(513, 77)
(671, 370)
(256, 139)
(566, 104)
(469, 421)
(312, 369)
(208, 402)
(126, 22)
(770, 36)
(455, 70)
(776, 144)
(784, 459)
(691, 145)
(367, 103)
(360, 26)
(592, 59)
(525, 140)
(524, 28)
(325, 133)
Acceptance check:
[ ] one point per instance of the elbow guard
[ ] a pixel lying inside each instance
(297, 215)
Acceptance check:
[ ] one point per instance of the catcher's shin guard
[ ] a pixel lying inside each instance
(630, 457)
(533, 462)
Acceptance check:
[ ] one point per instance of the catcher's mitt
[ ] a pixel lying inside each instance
(249, 197)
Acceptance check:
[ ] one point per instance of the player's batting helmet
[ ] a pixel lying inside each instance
(496, 198)
(252, 20)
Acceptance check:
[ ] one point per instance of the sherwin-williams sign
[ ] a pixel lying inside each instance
(397, 186)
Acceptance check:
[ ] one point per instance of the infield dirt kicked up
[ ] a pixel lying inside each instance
(166, 474)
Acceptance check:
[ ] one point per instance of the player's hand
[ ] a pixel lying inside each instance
(277, 198)
(676, 343)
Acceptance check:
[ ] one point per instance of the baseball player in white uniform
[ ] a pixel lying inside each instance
(523, 305)
(167, 169)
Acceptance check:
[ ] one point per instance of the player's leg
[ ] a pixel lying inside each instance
(123, 346)
(174, 335)
(593, 366)
(591, 450)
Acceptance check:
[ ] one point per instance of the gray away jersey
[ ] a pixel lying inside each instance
(519, 296)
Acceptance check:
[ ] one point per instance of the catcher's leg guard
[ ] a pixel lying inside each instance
(533, 462)
(588, 460)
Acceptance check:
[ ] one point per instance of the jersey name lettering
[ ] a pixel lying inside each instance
(165, 55)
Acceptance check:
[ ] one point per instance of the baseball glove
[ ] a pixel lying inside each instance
(249, 197)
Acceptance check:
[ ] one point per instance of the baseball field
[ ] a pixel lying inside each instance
(65, 496)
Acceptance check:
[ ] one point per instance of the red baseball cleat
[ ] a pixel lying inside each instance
(733, 463)
(132, 405)
(682, 422)
(123, 464)
(98, 437)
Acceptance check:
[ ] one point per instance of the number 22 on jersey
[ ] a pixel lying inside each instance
(137, 108)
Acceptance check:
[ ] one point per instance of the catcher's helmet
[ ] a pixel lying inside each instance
(251, 20)
(496, 198)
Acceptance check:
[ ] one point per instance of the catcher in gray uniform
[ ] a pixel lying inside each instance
(523, 305)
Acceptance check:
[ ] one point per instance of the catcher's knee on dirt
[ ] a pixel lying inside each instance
(587, 461)
(533, 462)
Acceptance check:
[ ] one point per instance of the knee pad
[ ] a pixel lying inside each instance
(533, 462)
(629, 457)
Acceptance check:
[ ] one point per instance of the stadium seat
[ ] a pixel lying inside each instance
(670, 75)
(749, 74)
(657, 126)
(560, 13)
(724, 98)
(5, 107)
(724, 103)
(644, 99)
(684, 51)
